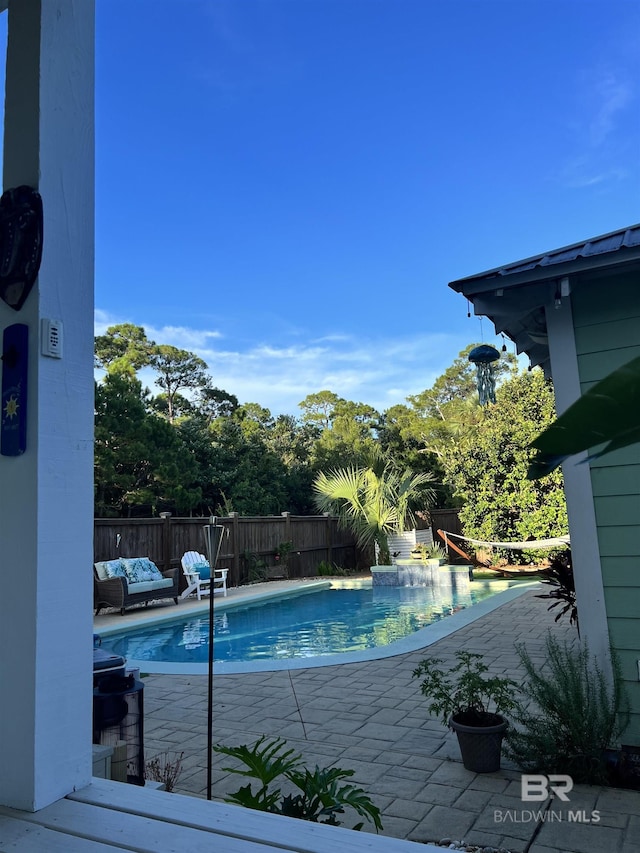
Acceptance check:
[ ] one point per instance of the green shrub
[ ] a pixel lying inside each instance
(559, 576)
(322, 796)
(575, 715)
(256, 567)
(464, 689)
(326, 569)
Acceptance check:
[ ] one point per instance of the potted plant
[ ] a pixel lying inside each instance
(374, 501)
(471, 703)
(432, 554)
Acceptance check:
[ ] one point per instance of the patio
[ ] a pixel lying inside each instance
(370, 717)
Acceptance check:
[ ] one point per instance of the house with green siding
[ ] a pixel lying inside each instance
(575, 312)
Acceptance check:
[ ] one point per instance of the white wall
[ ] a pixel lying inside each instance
(46, 495)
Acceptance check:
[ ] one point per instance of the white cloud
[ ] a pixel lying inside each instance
(606, 95)
(610, 96)
(379, 371)
(182, 337)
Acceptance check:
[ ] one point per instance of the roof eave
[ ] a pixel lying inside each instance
(501, 278)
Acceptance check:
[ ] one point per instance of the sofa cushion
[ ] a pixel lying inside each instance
(106, 569)
(148, 586)
(140, 569)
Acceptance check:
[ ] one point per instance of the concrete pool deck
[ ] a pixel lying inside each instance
(370, 717)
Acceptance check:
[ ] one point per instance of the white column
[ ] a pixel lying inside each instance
(46, 495)
(585, 551)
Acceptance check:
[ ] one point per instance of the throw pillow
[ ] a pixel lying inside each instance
(110, 569)
(139, 569)
(203, 570)
(151, 569)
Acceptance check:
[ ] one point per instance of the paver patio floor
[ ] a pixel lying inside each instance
(371, 717)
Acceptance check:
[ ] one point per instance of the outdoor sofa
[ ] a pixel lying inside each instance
(125, 581)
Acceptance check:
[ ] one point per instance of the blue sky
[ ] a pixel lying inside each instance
(286, 187)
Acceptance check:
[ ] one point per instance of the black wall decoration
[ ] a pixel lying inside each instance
(20, 243)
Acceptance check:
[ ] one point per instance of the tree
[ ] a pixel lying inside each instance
(488, 469)
(319, 408)
(349, 439)
(182, 407)
(215, 403)
(373, 501)
(292, 442)
(254, 419)
(177, 369)
(245, 472)
(123, 349)
(444, 413)
(139, 457)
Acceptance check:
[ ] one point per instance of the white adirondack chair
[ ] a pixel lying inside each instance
(201, 586)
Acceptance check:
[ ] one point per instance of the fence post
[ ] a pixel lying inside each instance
(235, 544)
(329, 538)
(287, 526)
(287, 537)
(166, 540)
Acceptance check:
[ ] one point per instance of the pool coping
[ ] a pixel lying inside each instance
(420, 639)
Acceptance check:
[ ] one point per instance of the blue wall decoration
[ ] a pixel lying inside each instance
(13, 429)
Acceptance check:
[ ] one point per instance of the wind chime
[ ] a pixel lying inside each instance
(484, 357)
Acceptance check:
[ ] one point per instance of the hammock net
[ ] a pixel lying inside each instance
(531, 545)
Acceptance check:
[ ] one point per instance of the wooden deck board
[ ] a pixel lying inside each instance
(228, 824)
(109, 816)
(107, 828)
(25, 836)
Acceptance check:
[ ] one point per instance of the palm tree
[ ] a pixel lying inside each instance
(373, 501)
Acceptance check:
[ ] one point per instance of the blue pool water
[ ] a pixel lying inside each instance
(309, 624)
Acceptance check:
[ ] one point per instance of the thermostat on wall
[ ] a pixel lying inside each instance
(52, 338)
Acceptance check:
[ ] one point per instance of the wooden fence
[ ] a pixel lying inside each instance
(250, 543)
(446, 519)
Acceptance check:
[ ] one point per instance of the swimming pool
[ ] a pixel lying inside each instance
(342, 623)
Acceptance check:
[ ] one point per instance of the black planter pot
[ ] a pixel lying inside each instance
(480, 746)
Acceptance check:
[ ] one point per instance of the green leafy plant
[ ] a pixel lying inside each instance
(436, 552)
(464, 691)
(282, 554)
(606, 415)
(373, 501)
(256, 567)
(419, 551)
(559, 575)
(576, 714)
(327, 569)
(322, 792)
(165, 767)
(422, 551)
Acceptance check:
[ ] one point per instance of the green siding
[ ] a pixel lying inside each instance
(606, 314)
(604, 299)
(617, 458)
(594, 366)
(620, 571)
(619, 541)
(628, 661)
(614, 479)
(618, 510)
(624, 601)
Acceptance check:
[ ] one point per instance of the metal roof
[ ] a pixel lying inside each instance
(514, 296)
(625, 238)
